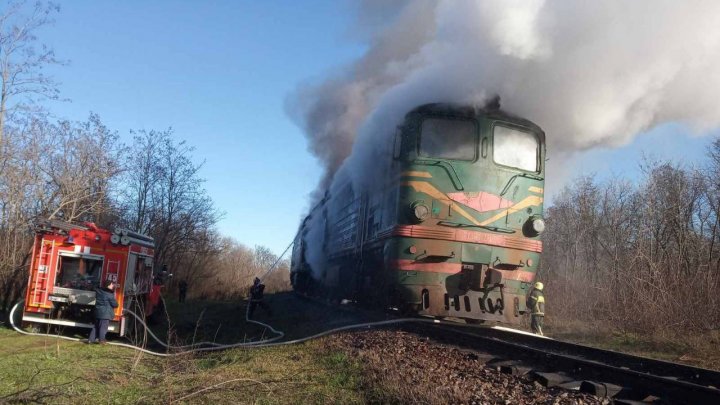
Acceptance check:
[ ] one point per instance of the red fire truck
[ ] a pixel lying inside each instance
(69, 261)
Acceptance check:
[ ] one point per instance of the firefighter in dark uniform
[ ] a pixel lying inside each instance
(536, 304)
(105, 304)
(256, 298)
(182, 290)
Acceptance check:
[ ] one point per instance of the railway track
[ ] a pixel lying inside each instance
(624, 378)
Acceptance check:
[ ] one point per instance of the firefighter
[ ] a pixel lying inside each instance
(256, 298)
(182, 290)
(105, 303)
(536, 304)
(161, 277)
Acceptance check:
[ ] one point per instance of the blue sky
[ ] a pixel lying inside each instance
(673, 142)
(219, 75)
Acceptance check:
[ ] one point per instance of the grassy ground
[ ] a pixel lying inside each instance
(53, 371)
(47, 370)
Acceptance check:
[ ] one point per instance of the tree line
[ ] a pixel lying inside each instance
(638, 256)
(81, 172)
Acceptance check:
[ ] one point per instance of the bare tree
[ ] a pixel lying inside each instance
(712, 186)
(636, 255)
(21, 60)
(162, 195)
(234, 268)
(84, 161)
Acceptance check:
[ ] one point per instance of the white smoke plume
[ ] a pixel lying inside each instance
(590, 73)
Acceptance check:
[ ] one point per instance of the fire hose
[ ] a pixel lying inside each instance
(216, 346)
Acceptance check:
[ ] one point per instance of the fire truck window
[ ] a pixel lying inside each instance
(79, 273)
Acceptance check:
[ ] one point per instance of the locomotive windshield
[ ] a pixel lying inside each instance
(515, 148)
(448, 139)
(80, 273)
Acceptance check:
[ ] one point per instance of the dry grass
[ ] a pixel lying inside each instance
(697, 349)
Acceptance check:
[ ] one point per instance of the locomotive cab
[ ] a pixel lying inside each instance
(471, 194)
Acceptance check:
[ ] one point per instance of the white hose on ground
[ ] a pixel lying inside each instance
(12, 322)
(279, 334)
(250, 345)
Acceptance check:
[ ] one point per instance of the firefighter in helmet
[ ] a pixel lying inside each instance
(256, 298)
(536, 304)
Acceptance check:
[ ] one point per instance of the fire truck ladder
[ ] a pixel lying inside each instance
(40, 284)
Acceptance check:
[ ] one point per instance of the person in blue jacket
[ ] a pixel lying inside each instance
(105, 304)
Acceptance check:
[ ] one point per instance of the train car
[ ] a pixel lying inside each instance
(70, 261)
(451, 228)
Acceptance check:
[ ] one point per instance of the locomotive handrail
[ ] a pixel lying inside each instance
(488, 227)
(512, 179)
(448, 168)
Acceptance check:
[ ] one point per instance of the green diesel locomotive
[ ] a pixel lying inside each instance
(451, 227)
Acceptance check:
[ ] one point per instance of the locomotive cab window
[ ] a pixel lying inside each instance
(81, 273)
(448, 139)
(515, 148)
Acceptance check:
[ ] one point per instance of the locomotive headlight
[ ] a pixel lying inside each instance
(534, 226)
(538, 225)
(420, 211)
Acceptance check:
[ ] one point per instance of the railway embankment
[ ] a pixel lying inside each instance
(389, 365)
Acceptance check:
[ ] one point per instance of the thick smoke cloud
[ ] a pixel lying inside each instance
(590, 73)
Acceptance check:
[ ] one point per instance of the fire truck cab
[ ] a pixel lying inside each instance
(70, 261)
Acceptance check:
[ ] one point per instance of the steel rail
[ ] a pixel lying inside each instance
(652, 378)
(696, 375)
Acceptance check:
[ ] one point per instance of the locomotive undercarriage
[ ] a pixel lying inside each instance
(476, 293)
(491, 305)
